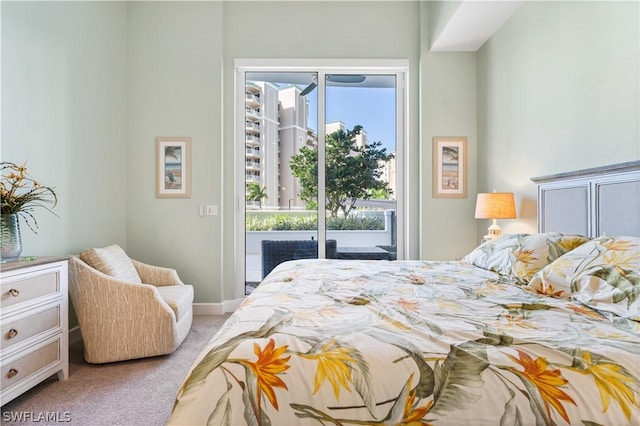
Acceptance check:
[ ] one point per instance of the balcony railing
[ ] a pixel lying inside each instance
(252, 100)
(252, 139)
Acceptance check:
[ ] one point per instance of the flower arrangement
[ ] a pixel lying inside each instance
(21, 194)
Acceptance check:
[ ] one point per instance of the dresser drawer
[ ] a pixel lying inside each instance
(20, 369)
(36, 323)
(29, 286)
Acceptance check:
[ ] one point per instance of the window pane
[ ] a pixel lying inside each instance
(277, 128)
(360, 165)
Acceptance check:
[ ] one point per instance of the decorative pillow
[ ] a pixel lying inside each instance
(603, 274)
(113, 261)
(520, 256)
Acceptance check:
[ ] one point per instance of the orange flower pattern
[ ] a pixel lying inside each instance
(358, 342)
(266, 368)
(548, 382)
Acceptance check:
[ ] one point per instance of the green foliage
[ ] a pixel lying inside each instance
(381, 194)
(286, 222)
(355, 223)
(352, 172)
(21, 194)
(255, 192)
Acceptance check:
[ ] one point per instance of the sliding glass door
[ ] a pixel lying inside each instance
(360, 165)
(310, 190)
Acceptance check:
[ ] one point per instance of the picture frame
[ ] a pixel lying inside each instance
(173, 167)
(449, 167)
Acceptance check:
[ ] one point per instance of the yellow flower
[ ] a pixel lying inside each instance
(488, 288)
(547, 382)
(413, 414)
(334, 365)
(409, 305)
(621, 245)
(628, 260)
(447, 304)
(517, 318)
(547, 289)
(525, 256)
(266, 369)
(612, 383)
(22, 195)
(583, 310)
(569, 244)
(561, 266)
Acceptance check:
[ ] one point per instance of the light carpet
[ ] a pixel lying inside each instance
(128, 393)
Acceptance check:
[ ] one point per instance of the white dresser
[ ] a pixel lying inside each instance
(33, 317)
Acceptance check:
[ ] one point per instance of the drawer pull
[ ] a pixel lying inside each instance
(12, 333)
(14, 292)
(12, 373)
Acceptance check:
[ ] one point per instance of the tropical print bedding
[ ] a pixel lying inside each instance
(340, 342)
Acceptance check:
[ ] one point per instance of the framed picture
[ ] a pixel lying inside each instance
(173, 167)
(449, 167)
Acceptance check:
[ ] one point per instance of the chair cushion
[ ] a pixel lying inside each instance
(113, 261)
(178, 297)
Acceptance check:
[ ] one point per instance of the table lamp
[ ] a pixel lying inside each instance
(495, 205)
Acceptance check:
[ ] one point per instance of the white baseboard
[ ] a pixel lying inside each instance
(216, 308)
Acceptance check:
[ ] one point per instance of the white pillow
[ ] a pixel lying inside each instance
(112, 261)
(603, 274)
(520, 256)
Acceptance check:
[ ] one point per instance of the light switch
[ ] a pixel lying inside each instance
(212, 210)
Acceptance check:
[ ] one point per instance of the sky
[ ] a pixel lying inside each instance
(372, 108)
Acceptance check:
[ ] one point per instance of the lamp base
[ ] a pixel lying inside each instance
(493, 231)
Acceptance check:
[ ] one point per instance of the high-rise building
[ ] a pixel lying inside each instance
(275, 130)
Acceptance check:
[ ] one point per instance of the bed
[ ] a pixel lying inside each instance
(526, 329)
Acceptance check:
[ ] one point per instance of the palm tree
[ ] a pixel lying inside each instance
(172, 151)
(256, 193)
(451, 152)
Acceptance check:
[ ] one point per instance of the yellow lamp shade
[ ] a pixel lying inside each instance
(495, 205)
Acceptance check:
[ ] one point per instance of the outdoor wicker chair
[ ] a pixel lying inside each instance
(274, 252)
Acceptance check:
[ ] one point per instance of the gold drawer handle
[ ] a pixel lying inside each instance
(12, 373)
(12, 333)
(14, 292)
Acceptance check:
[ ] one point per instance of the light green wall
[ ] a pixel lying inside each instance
(64, 111)
(447, 108)
(557, 91)
(87, 86)
(174, 88)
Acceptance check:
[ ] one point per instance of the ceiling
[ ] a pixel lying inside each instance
(473, 23)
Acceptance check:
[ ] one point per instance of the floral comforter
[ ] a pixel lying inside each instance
(411, 342)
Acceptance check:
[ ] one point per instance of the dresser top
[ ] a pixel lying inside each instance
(26, 261)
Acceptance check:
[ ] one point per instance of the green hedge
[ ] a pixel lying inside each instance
(308, 223)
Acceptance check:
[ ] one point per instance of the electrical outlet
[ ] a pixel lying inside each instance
(212, 210)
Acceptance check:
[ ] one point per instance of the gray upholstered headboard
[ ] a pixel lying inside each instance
(591, 202)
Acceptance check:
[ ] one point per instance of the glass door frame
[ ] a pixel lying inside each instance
(399, 67)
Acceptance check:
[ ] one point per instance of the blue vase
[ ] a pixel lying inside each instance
(10, 241)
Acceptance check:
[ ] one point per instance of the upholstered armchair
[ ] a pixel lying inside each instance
(127, 309)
